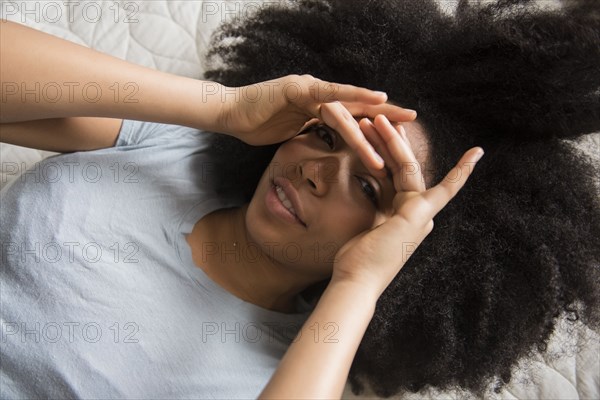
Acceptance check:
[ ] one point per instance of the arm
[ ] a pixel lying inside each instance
(318, 362)
(56, 78)
(44, 104)
(44, 77)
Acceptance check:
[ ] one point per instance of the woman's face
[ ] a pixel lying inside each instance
(316, 195)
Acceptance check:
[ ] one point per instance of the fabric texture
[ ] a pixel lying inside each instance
(100, 297)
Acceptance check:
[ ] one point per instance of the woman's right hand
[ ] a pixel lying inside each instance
(373, 258)
(276, 110)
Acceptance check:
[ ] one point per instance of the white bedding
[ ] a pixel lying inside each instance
(173, 36)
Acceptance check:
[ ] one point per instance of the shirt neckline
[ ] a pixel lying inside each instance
(184, 252)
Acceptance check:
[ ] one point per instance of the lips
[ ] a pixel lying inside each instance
(291, 194)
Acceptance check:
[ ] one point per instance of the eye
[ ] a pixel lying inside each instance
(366, 187)
(368, 190)
(326, 136)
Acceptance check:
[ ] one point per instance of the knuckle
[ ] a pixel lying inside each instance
(310, 82)
(332, 87)
(429, 226)
(333, 106)
(327, 106)
(292, 78)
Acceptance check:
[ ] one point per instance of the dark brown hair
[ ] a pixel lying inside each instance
(519, 246)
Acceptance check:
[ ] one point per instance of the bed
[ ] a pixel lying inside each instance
(173, 36)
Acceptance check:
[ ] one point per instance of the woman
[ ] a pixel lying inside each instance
(105, 278)
(432, 319)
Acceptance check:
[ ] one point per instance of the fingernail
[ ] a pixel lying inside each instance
(479, 154)
(413, 112)
(380, 93)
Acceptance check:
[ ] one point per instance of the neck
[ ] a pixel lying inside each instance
(221, 246)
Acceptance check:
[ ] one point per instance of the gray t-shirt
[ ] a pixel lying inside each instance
(99, 296)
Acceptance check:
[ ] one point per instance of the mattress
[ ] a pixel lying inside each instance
(173, 36)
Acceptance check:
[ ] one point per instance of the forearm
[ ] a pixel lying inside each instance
(46, 77)
(318, 362)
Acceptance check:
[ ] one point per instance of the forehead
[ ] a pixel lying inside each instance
(419, 142)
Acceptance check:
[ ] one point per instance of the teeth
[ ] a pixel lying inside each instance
(284, 199)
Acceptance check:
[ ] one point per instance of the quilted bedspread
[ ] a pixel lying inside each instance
(173, 36)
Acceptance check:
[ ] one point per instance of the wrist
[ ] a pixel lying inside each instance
(195, 103)
(212, 108)
(370, 284)
(361, 293)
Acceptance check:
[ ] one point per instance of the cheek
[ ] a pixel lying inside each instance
(345, 220)
(284, 163)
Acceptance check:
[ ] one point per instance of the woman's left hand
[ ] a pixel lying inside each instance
(373, 258)
(275, 111)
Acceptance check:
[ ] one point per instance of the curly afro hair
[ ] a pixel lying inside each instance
(519, 246)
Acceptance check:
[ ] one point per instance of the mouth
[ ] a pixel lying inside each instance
(287, 196)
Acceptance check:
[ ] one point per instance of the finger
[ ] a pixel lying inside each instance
(409, 176)
(392, 112)
(337, 117)
(379, 144)
(402, 131)
(325, 92)
(375, 139)
(443, 192)
(368, 129)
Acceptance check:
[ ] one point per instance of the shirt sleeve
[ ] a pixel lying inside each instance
(134, 132)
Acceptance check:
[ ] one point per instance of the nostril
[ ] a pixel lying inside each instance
(312, 184)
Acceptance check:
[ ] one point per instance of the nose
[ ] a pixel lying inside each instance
(320, 173)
